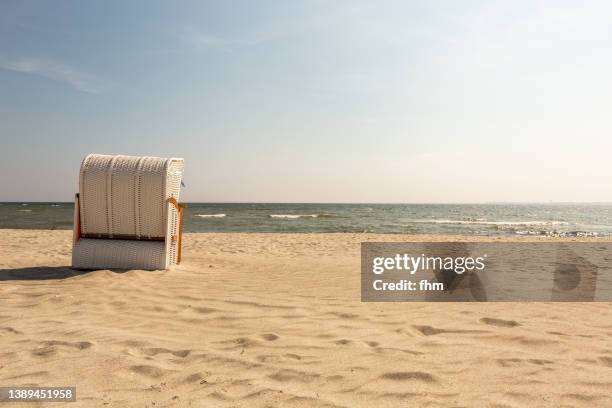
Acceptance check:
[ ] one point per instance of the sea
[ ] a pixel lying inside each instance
(471, 219)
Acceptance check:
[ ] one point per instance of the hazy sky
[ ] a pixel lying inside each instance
(313, 101)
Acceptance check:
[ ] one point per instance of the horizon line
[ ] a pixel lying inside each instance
(353, 203)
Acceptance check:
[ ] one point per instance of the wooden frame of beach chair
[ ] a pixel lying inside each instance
(127, 214)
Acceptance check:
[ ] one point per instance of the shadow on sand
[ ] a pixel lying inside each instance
(45, 273)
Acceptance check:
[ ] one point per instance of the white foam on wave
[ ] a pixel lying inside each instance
(563, 233)
(293, 216)
(484, 222)
(24, 210)
(210, 215)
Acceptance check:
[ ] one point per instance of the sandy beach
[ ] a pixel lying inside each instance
(250, 320)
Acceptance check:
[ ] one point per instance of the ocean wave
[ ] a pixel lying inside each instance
(581, 234)
(294, 216)
(484, 222)
(210, 215)
(24, 210)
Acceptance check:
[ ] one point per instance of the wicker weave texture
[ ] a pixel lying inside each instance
(118, 254)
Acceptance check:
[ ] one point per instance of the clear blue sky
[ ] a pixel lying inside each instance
(313, 101)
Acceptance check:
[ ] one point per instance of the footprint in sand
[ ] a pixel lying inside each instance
(293, 376)
(431, 331)
(409, 376)
(239, 343)
(158, 350)
(198, 377)
(428, 330)
(499, 322)
(273, 358)
(270, 336)
(10, 330)
(48, 348)
(204, 310)
(607, 361)
(516, 362)
(149, 371)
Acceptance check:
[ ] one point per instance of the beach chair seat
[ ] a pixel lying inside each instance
(127, 214)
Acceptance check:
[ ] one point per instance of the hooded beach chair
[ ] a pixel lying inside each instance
(127, 214)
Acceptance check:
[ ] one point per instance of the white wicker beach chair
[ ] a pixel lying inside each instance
(127, 214)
